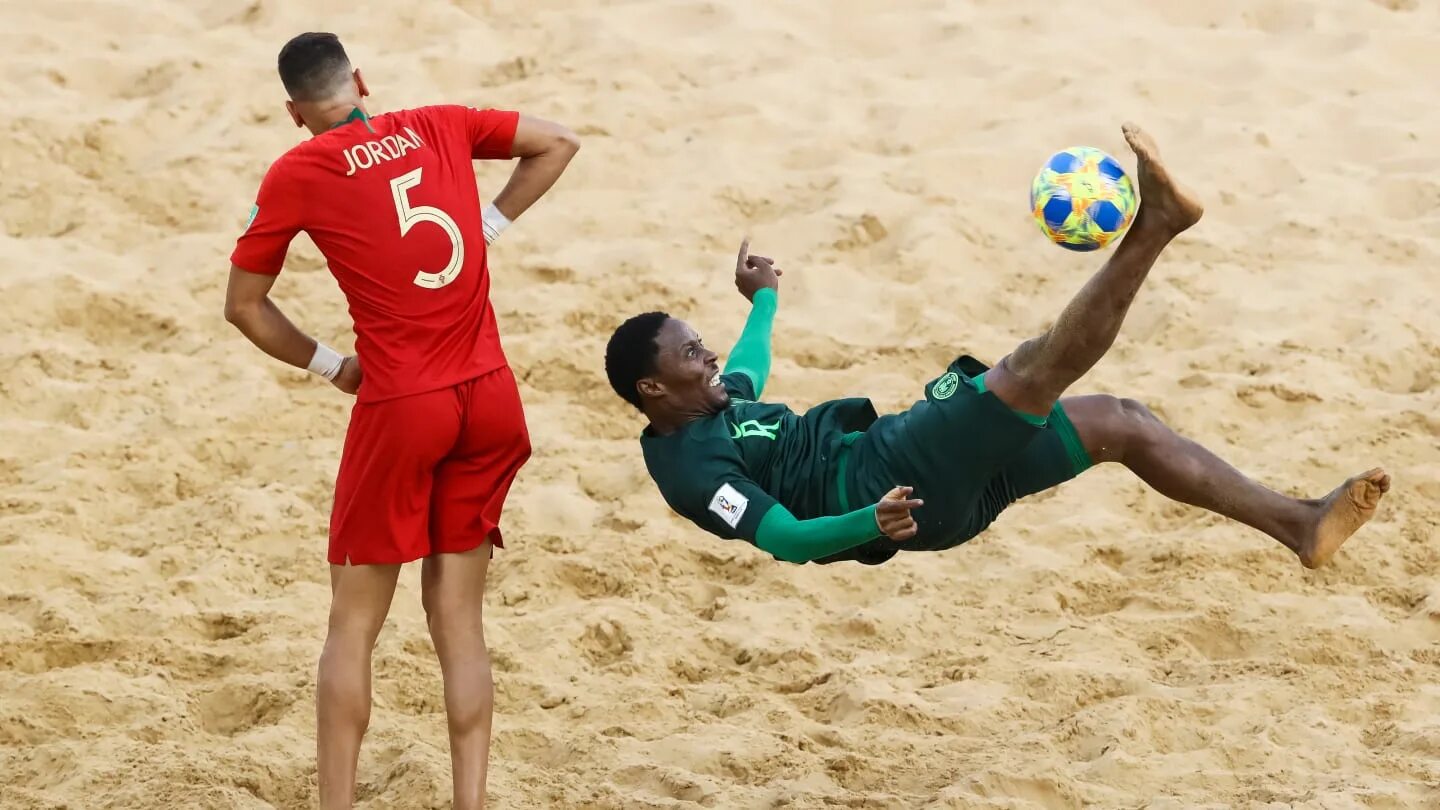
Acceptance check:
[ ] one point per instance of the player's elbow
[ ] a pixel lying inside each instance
(239, 312)
(564, 141)
(234, 313)
(549, 139)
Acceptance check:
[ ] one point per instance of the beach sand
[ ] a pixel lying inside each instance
(165, 487)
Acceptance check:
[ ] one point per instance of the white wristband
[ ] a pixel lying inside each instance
(326, 362)
(493, 223)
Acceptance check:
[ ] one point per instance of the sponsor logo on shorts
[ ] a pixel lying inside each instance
(729, 504)
(945, 387)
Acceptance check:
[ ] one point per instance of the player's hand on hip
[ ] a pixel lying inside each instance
(754, 273)
(348, 380)
(892, 514)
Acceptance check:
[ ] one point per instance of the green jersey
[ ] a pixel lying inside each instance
(726, 471)
(805, 487)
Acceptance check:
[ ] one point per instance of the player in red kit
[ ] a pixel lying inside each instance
(437, 433)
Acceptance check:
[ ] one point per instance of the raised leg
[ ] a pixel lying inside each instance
(1031, 378)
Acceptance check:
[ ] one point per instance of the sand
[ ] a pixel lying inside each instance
(164, 487)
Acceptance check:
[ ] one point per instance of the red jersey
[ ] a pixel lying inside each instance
(394, 208)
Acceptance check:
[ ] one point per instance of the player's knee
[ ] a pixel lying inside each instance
(1029, 364)
(351, 622)
(1022, 384)
(444, 610)
(1045, 372)
(453, 614)
(1138, 424)
(1112, 427)
(472, 713)
(1136, 412)
(350, 640)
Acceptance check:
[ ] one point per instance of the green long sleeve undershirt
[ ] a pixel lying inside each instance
(793, 540)
(780, 533)
(751, 355)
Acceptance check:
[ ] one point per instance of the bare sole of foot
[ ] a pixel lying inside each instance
(1342, 513)
(1161, 198)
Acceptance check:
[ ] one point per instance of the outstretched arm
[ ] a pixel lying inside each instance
(751, 355)
(793, 540)
(733, 506)
(758, 279)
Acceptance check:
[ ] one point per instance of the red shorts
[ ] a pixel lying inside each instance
(428, 473)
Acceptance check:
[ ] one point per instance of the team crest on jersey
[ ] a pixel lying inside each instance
(945, 386)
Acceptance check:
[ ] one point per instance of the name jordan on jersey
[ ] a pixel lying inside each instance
(372, 153)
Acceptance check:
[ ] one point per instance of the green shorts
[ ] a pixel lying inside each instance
(967, 454)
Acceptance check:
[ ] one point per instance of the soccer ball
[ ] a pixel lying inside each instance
(1082, 198)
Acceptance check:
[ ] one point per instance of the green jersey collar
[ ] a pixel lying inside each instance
(356, 114)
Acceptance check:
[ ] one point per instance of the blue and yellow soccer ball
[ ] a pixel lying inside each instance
(1083, 199)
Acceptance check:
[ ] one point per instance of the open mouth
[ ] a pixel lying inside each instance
(715, 381)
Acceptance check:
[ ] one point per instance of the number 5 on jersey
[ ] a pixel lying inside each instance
(410, 215)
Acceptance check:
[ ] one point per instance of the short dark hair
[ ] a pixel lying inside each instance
(631, 354)
(312, 65)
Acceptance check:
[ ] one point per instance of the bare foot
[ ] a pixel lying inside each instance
(1162, 200)
(1342, 512)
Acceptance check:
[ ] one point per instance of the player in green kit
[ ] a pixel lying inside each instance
(841, 483)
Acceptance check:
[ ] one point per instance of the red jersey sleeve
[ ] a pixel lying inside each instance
(274, 221)
(491, 132)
